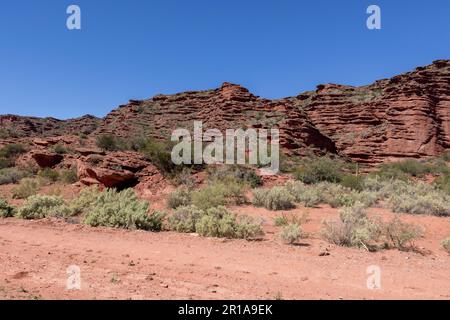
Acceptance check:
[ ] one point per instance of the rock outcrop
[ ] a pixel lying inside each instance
(405, 116)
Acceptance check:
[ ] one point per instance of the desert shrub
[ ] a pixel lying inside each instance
(84, 201)
(159, 154)
(446, 156)
(39, 207)
(319, 169)
(213, 222)
(234, 192)
(285, 219)
(209, 197)
(443, 183)
(69, 176)
(446, 244)
(26, 188)
(291, 233)
(219, 222)
(184, 177)
(12, 150)
(219, 194)
(402, 170)
(6, 163)
(121, 210)
(185, 219)
(6, 210)
(9, 153)
(276, 198)
(179, 198)
(11, 175)
(420, 198)
(309, 196)
(59, 149)
(49, 174)
(236, 173)
(338, 196)
(353, 182)
(107, 142)
(354, 229)
(281, 221)
(401, 235)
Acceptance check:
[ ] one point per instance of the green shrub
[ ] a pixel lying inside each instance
(274, 199)
(107, 142)
(235, 173)
(49, 174)
(401, 235)
(12, 150)
(69, 176)
(446, 244)
(219, 222)
(247, 227)
(39, 207)
(446, 156)
(354, 229)
(219, 194)
(185, 219)
(281, 221)
(26, 188)
(338, 196)
(402, 170)
(6, 210)
(420, 198)
(84, 201)
(121, 210)
(159, 154)
(309, 196)
(353, 182)
(291, 233)
(6, 163)
(179, 198)
(443, 183)
(59, 149)
(11, 175)
(319, 169)
(214, 222)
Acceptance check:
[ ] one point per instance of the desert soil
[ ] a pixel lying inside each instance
(121, 264)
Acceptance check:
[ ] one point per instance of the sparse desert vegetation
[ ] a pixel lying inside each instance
(367, 210)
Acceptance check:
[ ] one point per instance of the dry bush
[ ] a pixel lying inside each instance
(401, 235)
(291, 233)
(26, 188)
(274, 199)
(179, 198)
(354, 229)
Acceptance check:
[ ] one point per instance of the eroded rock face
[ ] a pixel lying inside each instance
(228, 107)
(114, 170)
(406, 116)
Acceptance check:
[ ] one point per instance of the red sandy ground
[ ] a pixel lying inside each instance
(120, 264)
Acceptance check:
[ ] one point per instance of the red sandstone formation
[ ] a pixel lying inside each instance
(406, 116)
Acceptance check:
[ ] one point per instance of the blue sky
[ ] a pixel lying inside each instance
(134, 49)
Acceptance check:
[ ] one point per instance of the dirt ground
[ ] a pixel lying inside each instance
(120, 264)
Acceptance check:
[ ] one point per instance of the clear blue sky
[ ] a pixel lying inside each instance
(134, 49)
